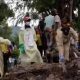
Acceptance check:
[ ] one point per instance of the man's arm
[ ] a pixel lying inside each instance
(74, 35)
(59, 42)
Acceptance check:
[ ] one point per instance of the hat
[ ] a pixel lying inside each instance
(27, 19)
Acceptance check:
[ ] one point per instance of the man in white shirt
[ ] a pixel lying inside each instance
(49, 21)
(32, 54)
(57, 19)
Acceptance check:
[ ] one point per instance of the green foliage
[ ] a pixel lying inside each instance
(77, 25)
(15, 39)
(40, 5)
(5, 12)
(5, 31)
(34, 15)
(15, 53)
(78, 21)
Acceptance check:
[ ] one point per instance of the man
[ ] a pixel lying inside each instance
(32, 55)
(4, 48)
(41, 27)
(63, 36)
(49, 21)
(57, 19)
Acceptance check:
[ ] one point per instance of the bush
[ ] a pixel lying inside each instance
(15, 53)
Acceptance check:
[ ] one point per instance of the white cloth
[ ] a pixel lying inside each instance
(49, 20)
(34, 23)
(57, 19)
(11, 60)
(29, 40)
(31, 52)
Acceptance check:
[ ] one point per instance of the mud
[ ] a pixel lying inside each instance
(53, 71)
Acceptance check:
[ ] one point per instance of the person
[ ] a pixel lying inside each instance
(39, 41)
(32, 55)
(57, 19)
(49, 21)
(4, 47)
(63, 36)
(1, 59)
(11, 61)
(41, 27)
(5, 51)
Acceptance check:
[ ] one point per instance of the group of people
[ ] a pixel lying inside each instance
(6, 49)
(38, 42)
(58, 33)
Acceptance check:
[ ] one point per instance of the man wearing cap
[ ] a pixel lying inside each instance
(63, 36)
(31, 52)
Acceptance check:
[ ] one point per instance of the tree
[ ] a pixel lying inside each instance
(40, 5)
(5, 11)
(5, 31)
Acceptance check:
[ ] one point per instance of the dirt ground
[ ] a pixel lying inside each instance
(53, 71)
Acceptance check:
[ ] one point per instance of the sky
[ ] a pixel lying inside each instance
(19, 13)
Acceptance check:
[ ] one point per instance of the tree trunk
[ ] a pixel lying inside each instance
(71, 9)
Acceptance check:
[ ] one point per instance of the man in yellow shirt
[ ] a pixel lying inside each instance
(39, 41)
(4, 46)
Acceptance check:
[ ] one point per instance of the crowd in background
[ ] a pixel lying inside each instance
(47, 32)
(52, 35)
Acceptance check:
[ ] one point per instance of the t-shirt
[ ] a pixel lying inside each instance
(39, 42)
(57, 19)
(49, 20)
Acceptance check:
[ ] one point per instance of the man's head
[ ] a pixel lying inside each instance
(27, 19)
(65, 27)
(63, 23)
(54, 12)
